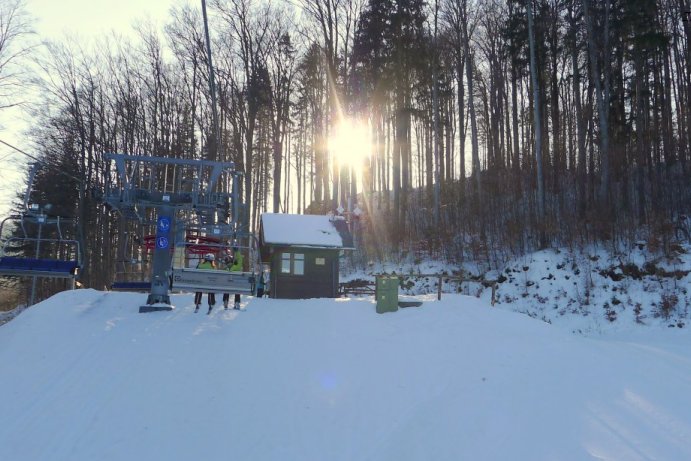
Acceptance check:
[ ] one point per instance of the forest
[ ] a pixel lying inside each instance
(491, 127)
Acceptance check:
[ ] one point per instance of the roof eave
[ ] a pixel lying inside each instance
(313, 247)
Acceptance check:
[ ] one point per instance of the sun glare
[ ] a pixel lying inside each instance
(350, 144)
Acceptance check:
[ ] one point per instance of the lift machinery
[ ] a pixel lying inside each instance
(183, 196)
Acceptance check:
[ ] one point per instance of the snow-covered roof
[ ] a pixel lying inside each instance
(305, 230)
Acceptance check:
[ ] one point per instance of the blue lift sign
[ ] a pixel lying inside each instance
(163, 224)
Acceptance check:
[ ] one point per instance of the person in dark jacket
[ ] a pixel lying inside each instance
(206, 263)
(261, 285)
(227, 265)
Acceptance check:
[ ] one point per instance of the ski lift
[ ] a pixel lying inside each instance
(133, 258)
(38, 245)
(219, 240)
(39, 248)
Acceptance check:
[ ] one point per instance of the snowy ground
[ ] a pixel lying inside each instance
(587, 291)
(86, 377)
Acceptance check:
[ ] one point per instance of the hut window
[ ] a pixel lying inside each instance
(285, 263)
(299, 264)
(293, 263)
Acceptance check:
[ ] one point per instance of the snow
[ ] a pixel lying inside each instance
(86, 377)
(306, 230)
(592, 290)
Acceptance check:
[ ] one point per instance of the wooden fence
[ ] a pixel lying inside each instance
(366, 287)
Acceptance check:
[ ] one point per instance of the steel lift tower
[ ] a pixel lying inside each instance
(175, 194)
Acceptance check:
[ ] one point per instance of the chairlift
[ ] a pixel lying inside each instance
(37, 245)
(133, 259)
(25, 254)
(219, 240)
(190, 193)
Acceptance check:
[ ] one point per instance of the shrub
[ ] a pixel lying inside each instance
(668, 303)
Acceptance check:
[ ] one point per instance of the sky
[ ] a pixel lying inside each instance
(54, 20)
(94, 17)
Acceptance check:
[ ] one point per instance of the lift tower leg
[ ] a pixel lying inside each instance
(159, 300)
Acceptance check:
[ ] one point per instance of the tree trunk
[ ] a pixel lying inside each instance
(537, 124)
(581, 168)
(471, 109)
(601, 100)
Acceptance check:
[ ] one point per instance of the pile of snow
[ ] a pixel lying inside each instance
(86, 377)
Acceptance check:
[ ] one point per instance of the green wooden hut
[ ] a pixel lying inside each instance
(303, 252)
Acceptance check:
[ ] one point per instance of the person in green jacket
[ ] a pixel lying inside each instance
(206, 263)
(233, 264)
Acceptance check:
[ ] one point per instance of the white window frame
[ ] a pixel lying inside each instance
(292, 263)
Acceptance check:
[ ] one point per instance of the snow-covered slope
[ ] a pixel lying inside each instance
(600, 291)
(86, 377)
(593, 290)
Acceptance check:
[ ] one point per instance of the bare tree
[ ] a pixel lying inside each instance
(249, 26)
(580, 125)
(15, 45)
(469, 67)
(282, 71)
(601, 93)
(501, 83)
(326, 15)
(186, 39)
(537, 123)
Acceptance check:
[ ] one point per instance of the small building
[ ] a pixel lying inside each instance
(302, 252)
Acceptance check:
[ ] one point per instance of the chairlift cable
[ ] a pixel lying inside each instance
(33, 157)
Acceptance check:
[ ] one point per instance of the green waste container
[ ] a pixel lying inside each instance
(386, 293)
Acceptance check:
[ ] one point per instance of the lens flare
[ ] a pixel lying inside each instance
(350, 144)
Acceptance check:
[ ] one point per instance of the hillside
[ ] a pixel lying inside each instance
(87, 377)
(585, 290)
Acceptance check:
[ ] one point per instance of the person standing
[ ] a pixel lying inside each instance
(261, 285)
(227, 265)
(237, 266)
(207, 263)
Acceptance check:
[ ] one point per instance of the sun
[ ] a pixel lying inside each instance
(350, 144)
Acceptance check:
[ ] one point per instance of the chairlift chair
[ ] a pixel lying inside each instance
(22, 254)
(218, 240)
